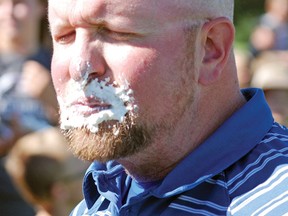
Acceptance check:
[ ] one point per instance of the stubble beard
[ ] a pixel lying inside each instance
(106, 144)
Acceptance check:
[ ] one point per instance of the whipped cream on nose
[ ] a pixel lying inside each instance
(83, 69)
(87, 103)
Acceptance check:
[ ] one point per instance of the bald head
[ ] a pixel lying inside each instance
(194, 10)
(212, 8)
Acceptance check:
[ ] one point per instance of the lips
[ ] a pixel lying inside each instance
(89, 106)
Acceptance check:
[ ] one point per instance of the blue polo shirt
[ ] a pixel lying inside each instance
(241, 169)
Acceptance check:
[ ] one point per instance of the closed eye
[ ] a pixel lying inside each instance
(104, 32)
(116, 35)
(65, 38)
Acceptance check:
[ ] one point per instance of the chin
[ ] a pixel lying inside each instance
(112, 141)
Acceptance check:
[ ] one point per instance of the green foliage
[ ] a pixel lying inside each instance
(246, 16)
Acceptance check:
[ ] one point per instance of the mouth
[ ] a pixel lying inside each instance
(89, 106)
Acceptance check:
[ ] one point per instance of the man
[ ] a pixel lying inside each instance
(148, 90)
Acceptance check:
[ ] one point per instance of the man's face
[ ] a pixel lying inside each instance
(17, 17)
(137, 47)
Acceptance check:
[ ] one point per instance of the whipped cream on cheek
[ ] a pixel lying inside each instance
(89, 104)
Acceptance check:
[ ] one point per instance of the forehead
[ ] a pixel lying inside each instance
(148, 9)
(128, 4)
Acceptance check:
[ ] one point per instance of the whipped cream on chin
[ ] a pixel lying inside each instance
(89, 104)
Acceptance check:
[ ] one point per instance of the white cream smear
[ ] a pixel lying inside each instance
(89, 104)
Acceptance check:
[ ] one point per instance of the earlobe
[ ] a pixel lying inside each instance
(217, 39)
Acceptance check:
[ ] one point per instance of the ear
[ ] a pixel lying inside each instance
(217, 39)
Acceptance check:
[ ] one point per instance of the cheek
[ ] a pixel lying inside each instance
(60, 74)
(133, 64)
(151, 77)
(160, 82)
(154, 71)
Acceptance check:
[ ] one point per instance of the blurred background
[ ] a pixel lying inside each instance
(261, 49)
(246, 17)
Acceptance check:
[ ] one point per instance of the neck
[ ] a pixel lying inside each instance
(154, 163)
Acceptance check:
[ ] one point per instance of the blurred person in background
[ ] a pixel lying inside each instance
(243, 59)
(47, 175)
(271, 33)
(27, 98)
(12, 202)
(270, 73)
(28, 101)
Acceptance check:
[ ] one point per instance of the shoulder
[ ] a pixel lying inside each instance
(262, 160)
(259, 180)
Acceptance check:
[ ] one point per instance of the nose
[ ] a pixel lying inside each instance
(87, 61)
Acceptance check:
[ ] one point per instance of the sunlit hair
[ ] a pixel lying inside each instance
(209, 9)
(219, 7)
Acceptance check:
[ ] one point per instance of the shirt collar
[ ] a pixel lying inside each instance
(103, 178)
